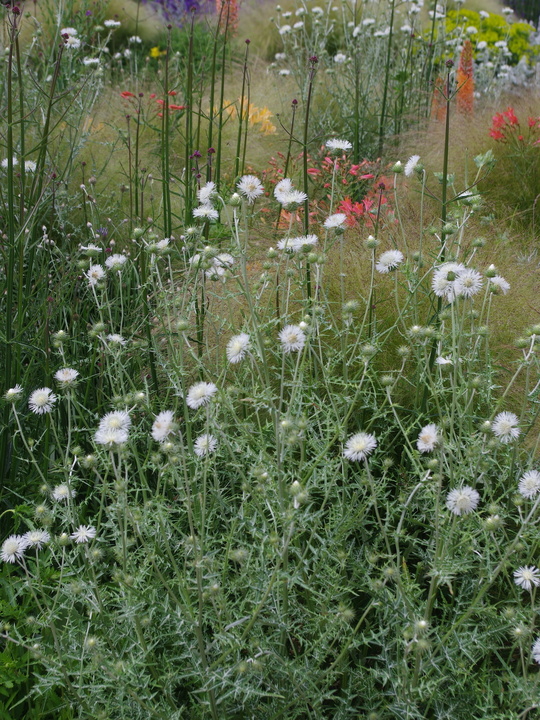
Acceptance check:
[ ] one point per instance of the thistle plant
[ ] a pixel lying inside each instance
(260, 468)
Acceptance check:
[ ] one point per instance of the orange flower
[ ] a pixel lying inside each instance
(227, 11)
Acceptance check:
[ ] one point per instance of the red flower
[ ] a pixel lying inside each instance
(126, 94)
(511, 116)
(177, 107)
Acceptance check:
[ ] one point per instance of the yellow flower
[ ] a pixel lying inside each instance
(155, 52)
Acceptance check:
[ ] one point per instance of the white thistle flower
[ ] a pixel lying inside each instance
(200, 394)
(12, 549)
(83, 534)
(296, 244)
(94, 274)
(527, 576)
(111, 438)
(411, 164)
(536, 651)
(500, 284)
(250, 187)
(42, 401)
(206, 212)
(359, 446)
(71, 32)
(163, 425)
(529, 484)
(62, 492)
(206, 192)
(13, 393)
(462, 501)
(112, 23)
(72, 43)
(468, 283)
(66, 376)
(116, 262)
(389, 260)
(337, 220)
(292, 338)
(204, 445)
(505, 427)
(428, 439)
(237, 348)
(337, 145)
(36, 538)
(30, 166)
(115, 420)
(116, 339)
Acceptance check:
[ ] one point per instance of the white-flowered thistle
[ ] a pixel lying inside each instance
(527, 577)
(111, 438)
(529, 484)
(36, 539)
(163, 426)
(292, 338)
(205, 445)
(505, 427)
(536, 651)
(389, 260)
(237, 348)
(429, 438)
(42, 401)
(94, 274)
(66, 376)
(83, 534)
(335, 221)
(359, 446)
(206, 193)
(200, 394)
(444, 279)
(468, 283)
(112, 24)
(411, 165)
(13, 394)
(116, 262)
(250, 187)
(72, 42)
(297, 244)
(115, 420)
(462, 501)
(500, 284)
(12, 549)
(30, 166)
(62, 492)
(116, 339)
(338, 146)
(205, 212)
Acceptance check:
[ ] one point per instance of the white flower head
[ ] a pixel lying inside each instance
(462, 501)
(337, 220)
(66, 376)
(529, 484)
(5, 162)
(411, 164)
(285, 29)
(116, 339)
(296, 244)
(163, 425)
(115, 420)
(389, 260)
(36, 538)
(116, 262)
(292, 338)
(340, 58)
(527, 576)
(71, 32)
(111, 438)
(90, 61)
(200, 394)
(62, 492)
(206, 212)
(206, 193)
(250, 187)
(112, 23)
(73, 43)
(12, 549)
(468, 283)
(338, 146)
(505, 427)
(500, 284)
(282, 189)
(204, 445)
(429, 438)
(83, 534)
(135, 40)
(444, 279)
(237, 348)
(13, 393)
(536, 651)
(30, 166)
(42, 401)
(359, 446)
(94, 274)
